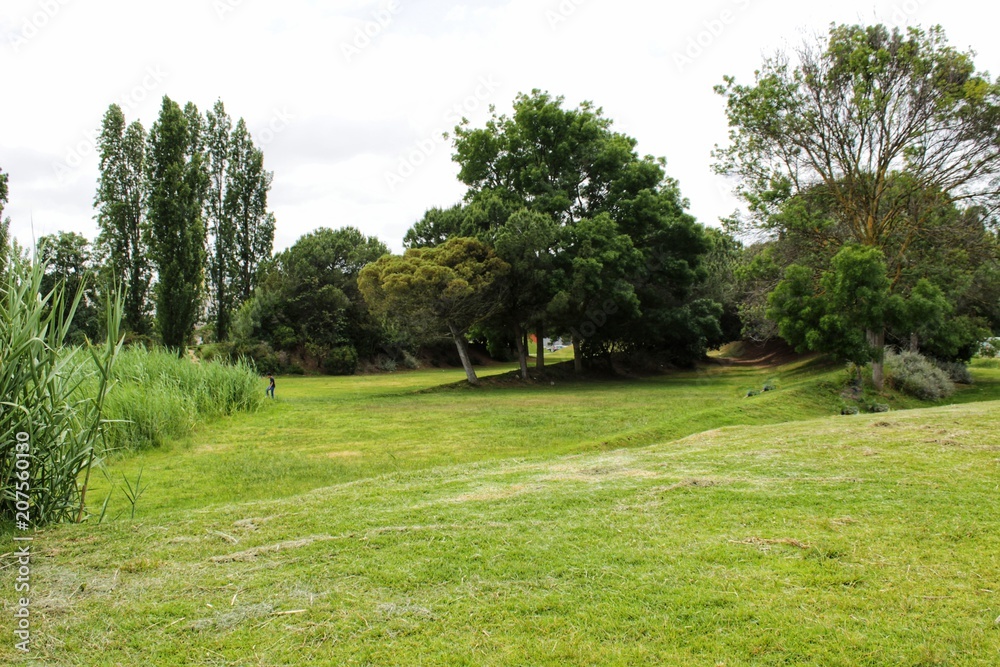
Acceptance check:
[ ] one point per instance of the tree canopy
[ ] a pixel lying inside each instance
(859, 139)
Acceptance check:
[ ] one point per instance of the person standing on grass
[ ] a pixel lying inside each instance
(270, 387)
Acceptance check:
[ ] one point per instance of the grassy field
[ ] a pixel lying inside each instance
(393, 520)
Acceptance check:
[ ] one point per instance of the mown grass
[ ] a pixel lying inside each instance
(593, 523)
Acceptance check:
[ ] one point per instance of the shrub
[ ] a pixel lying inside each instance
(410, 361)
(878, 407)
(341, 360)
(387, 364)
(216, 352)
(913, 374)
(956, 370)
(849, 410)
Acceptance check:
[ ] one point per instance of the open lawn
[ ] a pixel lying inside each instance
(389, 520)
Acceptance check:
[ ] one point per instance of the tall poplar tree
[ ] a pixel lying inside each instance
(246, 204)
(120, 202)
(241, 231)
(178, 186)
(221, 231)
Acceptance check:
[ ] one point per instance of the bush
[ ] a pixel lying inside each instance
(878, 407)
(849, 410)
(410, 361)
(216, 352)
(341, 360)
(956, 370)
(913, 374)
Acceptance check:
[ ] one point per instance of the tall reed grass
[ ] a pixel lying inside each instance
(49, 425)
(158, 396)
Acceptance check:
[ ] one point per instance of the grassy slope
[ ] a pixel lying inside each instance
(497, 528)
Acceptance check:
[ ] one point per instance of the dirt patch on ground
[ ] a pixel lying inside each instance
(752, 353)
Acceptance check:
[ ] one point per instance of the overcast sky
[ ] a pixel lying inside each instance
(349, 97)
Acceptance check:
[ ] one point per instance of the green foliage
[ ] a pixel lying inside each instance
(69, 262)
(600, 245)
(855, 113)
(121, 202)
(54, 398)
(241, 230)
(957, 371)
(178, 182)
(441, 290)
(342, 360)
(917, 376)
(309, 296)
(158, 396)
(833, 313)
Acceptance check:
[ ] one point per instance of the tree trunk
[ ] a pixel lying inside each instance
(463, 353)
(522, 350)
(914, 342)
(540, 346)
(577, 356)
(877, 341)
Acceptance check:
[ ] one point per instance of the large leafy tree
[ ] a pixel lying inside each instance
(69, 268)
(178, 183)
(308, 300)
(445, 289)
(569, 165)
(121, 214)
(868, 120)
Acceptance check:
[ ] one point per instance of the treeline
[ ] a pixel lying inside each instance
(868, 162)
(184, 227)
